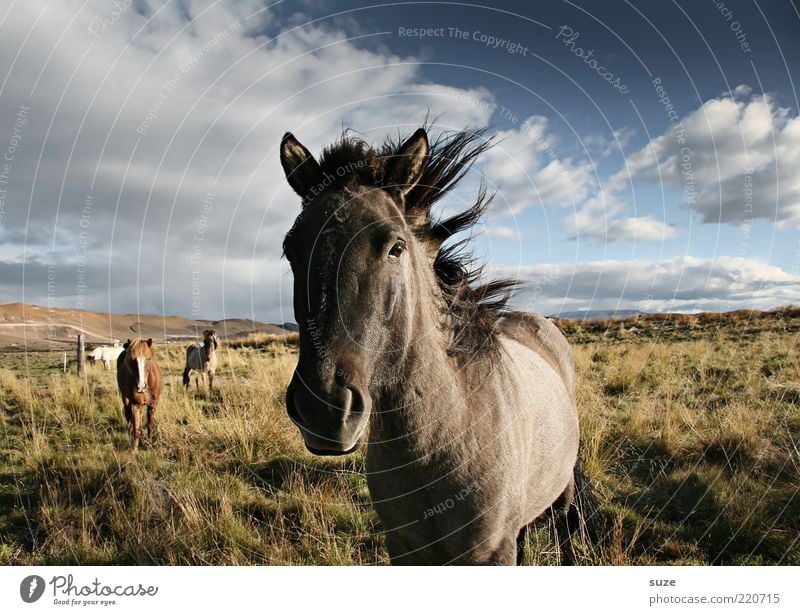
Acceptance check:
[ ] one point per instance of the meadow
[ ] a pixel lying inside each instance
(690, 431)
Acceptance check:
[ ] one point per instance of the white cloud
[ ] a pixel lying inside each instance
(735, 160)
(638, 229)
(603, 145)
(604, 219)
(167, 104)
(216, 129)
(529, 172)
(500, 231)
(678, 284)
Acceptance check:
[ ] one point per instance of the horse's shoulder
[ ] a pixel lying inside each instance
(545, 338)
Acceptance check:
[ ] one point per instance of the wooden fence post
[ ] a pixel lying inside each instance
(81, 348)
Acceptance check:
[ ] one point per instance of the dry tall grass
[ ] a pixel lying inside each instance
(692, 445)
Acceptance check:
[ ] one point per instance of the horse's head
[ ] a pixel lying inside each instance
(364, 252)
(351, 251)
(210, 341)
(137, 354)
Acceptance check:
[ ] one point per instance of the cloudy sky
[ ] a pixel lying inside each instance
(648, 155)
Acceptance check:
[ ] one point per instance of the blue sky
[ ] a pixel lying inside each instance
(145, 177)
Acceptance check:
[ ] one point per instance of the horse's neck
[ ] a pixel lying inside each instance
(425, 407)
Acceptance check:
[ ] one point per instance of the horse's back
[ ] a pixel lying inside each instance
(542, 336)
(111, 353)
(197, 359)
(194, 356)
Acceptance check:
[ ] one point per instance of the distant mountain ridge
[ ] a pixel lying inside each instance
(36, 327)
(597, 314)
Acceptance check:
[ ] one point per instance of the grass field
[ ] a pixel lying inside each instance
(690, 430)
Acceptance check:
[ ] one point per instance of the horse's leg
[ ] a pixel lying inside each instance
(151, 422)
(186, 379)
(566, 522)
(210, 380)
(128, 415)
(523, 534)
(400, 553)
(507, 553)
(136, 411)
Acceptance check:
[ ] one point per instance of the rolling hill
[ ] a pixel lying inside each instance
(33, 327)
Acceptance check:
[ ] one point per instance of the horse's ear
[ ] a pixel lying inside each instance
(404, 168)
(149, 341)
(302, 170)
(126, 344)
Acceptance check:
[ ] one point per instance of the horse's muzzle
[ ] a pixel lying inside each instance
(331, 423)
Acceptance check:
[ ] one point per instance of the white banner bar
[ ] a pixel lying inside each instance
(329, 591)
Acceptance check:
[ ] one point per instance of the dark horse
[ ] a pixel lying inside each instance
(139, 380)
(469, 407)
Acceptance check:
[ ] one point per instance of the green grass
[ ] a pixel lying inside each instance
(690, 439)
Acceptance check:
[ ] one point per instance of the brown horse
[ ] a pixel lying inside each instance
(139, 379)
(469, 408)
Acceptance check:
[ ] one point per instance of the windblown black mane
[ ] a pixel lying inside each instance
(474, 308)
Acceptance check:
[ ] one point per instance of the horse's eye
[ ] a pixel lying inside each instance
(397, 249)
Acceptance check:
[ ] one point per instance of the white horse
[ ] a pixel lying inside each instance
(105, 354)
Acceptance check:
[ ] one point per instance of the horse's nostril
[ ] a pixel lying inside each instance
(291, 403)
(356, 400)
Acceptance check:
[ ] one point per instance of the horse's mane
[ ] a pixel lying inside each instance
(134, 346)
(474, 308)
